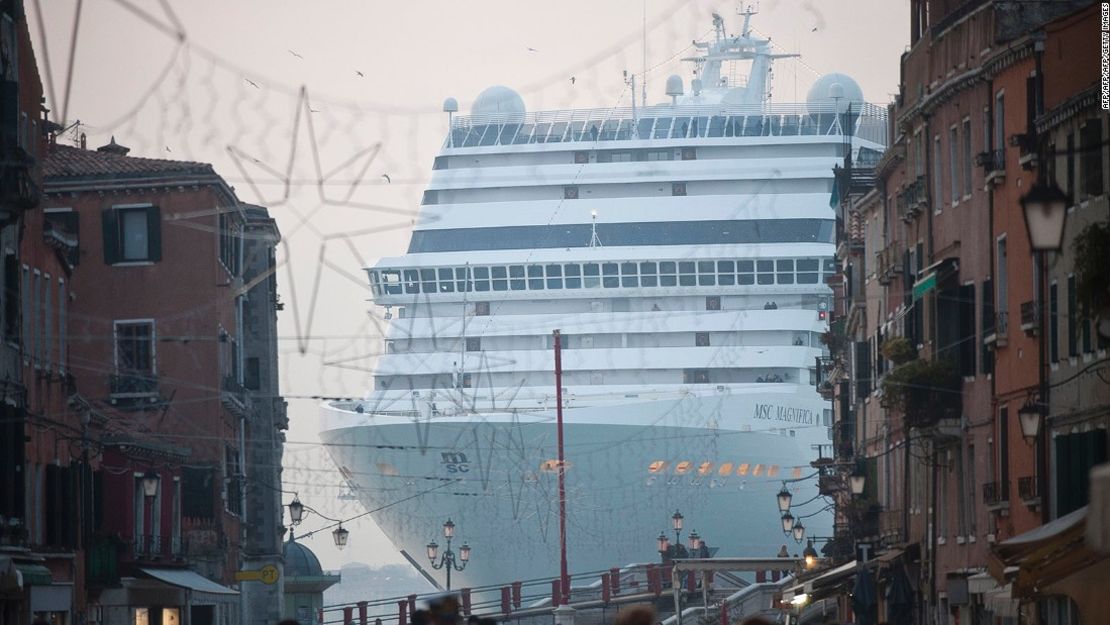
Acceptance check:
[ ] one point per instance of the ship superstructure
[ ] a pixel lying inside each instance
(682, 250)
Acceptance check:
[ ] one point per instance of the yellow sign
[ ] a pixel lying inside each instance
(267, 575)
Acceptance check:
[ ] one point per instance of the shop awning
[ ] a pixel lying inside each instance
(826, 581)
(34, 574)
(940, 270)
(1045, 555)
(184, 578)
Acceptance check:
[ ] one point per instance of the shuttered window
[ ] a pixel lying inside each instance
(132, 234)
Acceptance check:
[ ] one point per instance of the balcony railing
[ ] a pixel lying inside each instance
(993, 163)
(132, 386)
(1028, 490)
(1028, 316)
(913, 199)
(889, 263)
(997, 335)
(234, 393)
(996, 495)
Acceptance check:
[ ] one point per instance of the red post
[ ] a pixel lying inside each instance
(516, 594)
(465, 592)
(564, 575)
(505, 609)
(348, 615)
(724, 613)
(402, 612)
(774, 576)
(760, 577)
(320, 616)
(691, 581)
(362, 612)
(653, 580)
(615, 580)
(555, 586)
(606, 589)
(412, 605)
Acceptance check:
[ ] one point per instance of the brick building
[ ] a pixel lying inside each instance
(156, 334)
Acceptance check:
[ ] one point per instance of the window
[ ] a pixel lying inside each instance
(1053, 323)
(1073, 319)
(713, 302)
(1002, 303)
(999, 123)
(967, 156)
(11, 297)
(473, 343)
(1090, 146)
(659, 155)
(695, 376)
(231, 236)
(25, 316)
(570, 193)
(134, 347)
(467, 380)
(132, 233)
(701, 339)
(1069, 169)
(63, 326)
(252, 373)
(678, 188)
(36, 315)
(581, 157)
(689, 154)
(430, 197)
(47, 335)
(481, 309)
(937, 163)
(954, 164)
(233, 481)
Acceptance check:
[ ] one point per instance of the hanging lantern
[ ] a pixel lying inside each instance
(296, 511)
(784, 498)
(150, 483)
(340, 535)
(787, 523)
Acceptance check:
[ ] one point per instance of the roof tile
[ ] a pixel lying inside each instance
(63, 161)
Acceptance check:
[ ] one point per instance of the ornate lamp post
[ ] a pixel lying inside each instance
(447, 560)
(784, 499)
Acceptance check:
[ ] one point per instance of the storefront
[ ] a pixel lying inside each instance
(168, 597)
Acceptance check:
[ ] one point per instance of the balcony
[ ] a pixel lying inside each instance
(57, 236)
(913, 199)
(996, 496)
(890, 526)
(18, 185)
(1027, 150)
(997, 335)
(1029, 491)
(154, 547)
(888, 263)
(1029, 318)
(993, 163)
(234, 395)
(132, 388)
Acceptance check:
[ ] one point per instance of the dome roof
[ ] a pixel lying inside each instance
(498, 100)
(300, 561)
(834, 90)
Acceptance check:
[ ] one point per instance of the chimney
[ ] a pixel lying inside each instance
(83, 141)
(114, 148)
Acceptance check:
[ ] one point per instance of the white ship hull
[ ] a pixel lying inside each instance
(492, 475)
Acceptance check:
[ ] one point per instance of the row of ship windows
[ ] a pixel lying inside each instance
(786, 271)
(647, 128)
(723, 469)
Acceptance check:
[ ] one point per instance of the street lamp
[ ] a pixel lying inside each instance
(694, 541)
(787, 523)
(799, 531)
(1045, 208)
(857, 481)
(676, 523)
(784, 498)
(150, 483)
(664, 543)
(296, 511)
(810, 555)
(340, 536)
(448, 560)
(1029, 416)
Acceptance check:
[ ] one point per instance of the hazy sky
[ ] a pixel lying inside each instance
(169, 78)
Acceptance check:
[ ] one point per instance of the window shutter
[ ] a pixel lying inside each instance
(154, 233)
(110, 220)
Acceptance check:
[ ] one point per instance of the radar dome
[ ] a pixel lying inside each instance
(498, 100)
(834, 90)
(674, 85)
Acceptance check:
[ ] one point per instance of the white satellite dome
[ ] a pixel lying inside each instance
(834, 90)
(674, 85)
(498, 100)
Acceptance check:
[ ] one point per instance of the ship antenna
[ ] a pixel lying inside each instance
(630, 80)
(594, 240)
(643, 37)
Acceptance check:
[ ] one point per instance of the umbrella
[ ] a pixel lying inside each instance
(899, 598)
(864, 598)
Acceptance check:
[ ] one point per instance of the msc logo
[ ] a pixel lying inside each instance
(454, 461)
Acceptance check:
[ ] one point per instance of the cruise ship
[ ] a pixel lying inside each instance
(681, 249)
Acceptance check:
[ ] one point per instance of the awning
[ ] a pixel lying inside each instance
(34, 574)
(184, 578)
(888, 556)
(923, 285)
(930, 275)
(827, 580)
(1046, 555)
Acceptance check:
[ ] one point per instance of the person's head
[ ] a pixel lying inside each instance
(636, 615)
(421, 617)
(444, 609)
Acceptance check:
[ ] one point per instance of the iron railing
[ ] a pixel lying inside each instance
(1028, 489)
(996, 492)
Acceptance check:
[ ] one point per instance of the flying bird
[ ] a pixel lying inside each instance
(387, 179)
(814, 29)
(533, 50)
(168, 149)
(252, 83)
(296, 55)
(572, 80)
(312, 110)
(360, 74)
